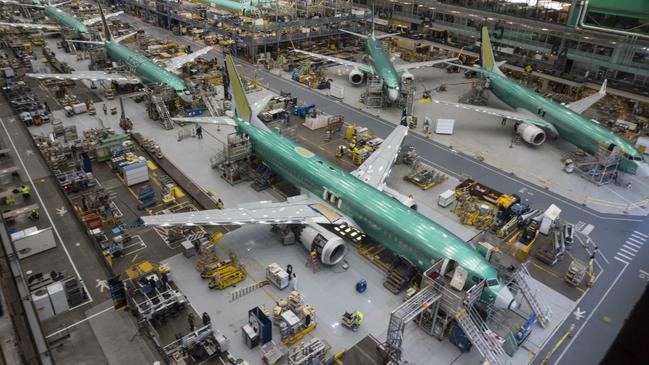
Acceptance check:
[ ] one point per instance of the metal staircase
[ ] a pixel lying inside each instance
(523, 279)
(209, 104)
(163, 112)
(426, 299)
(236, 294)
(478, 332)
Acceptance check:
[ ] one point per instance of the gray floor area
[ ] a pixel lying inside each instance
(483, 136)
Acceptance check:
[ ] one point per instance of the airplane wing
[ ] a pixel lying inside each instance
(361, 66)
(177, 62)
(207, 120)
(86, 75)
(97, 19)
(377, 167)
(299, 209)
(30, 26)
(413, 66)
(519, 115)
(582, 105)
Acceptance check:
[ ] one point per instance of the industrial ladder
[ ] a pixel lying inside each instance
(236, 294)
(402, 315)
(163, 112)
(477, 332)
(207, 100)
(530, 291)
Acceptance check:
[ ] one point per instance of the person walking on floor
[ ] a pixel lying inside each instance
(199, 132)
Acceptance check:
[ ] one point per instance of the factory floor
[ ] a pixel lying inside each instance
(483, 137)
(257, 248)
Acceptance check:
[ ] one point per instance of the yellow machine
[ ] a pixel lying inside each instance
(28, 47)
(109, 93)
(226, 276)
(38, 42)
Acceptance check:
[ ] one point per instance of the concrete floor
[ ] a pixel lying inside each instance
(479, 135)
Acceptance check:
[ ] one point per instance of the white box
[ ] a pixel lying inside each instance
(42, 304)
(444, 126)
(58, 298)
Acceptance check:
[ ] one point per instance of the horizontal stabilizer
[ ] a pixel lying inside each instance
(356, 34)
(582, 105)
(207, 120)
(124, 37)
(383, 36)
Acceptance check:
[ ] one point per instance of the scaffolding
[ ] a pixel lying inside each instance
(232, 161)
(373, 96)
(407, 99)
(478, 94)
(600, 169)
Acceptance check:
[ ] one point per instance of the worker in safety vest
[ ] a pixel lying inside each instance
(34, 214)
(359, 317)
(9, 199)
(24, 191)
(219, 204)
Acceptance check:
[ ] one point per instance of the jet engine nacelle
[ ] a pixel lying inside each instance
(404, 199)
(356, 77)
(331, 248)
(407, 76)
(531, 133)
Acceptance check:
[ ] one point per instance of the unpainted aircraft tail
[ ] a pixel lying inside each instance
(108, 37)
(488, 62)
(239, 100)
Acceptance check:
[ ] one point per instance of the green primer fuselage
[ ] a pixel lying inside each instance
(401, 229)
(64, 19)
(147, 70)
(232, 6)
(573, 127)
(383, 66)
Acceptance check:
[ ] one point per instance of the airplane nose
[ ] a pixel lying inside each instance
(505, 299)
(393, 95)
(187, 97)
(642, 170)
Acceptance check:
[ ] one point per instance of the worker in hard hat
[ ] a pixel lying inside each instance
(24, 191)
(359, 317)
(34, 214)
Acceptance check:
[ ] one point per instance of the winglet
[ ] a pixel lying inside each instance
(107, 34)
(240, 101)
(602, 90)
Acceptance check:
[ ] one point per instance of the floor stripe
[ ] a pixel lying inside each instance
(639, 238)
(632, 244)
(642, 234)
(620, 260)
(627, 252)
(635, 240)
(634, 250)
(628, 258)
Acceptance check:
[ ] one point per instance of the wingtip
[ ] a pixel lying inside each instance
(602, 90)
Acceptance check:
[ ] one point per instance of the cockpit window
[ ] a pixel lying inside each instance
(492, 282)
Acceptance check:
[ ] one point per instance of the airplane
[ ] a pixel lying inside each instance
(64, 19)
(537, 116)
(235, 7)
(145, 70)
(332, 196)
(380, 64)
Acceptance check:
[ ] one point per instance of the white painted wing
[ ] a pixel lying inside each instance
(582, 105)
(30, 26)
(97, 19)
(377, 167)
(519, 115)
(177, 62)
(413, 66)
(296, 210)
(207, 120)
(361, 66)
(86, 75)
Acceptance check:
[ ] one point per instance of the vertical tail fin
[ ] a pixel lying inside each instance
(239, 99)
(107, 34)
(486, 52)
(373, 20)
